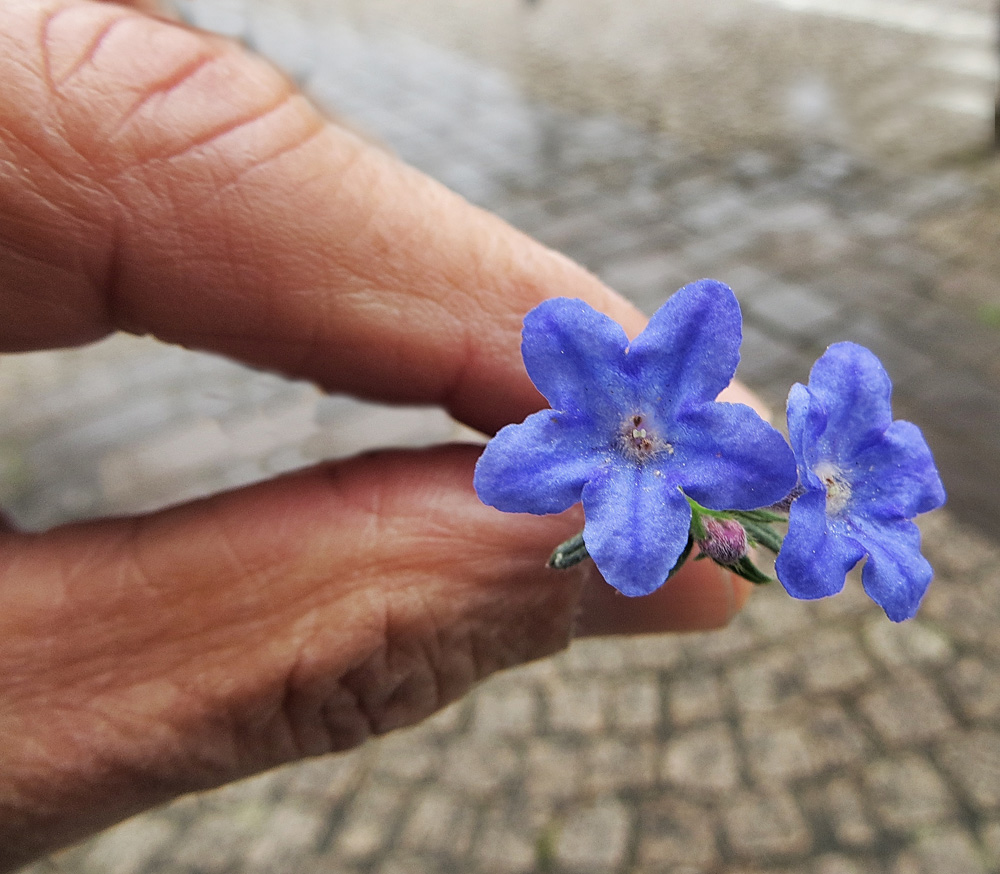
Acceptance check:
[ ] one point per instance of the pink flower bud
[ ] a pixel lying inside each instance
(725, 540)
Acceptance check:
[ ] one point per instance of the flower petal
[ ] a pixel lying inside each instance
(815, 556)
(689, 350)
(637, 526)
(896, 478)
(539, 466)
(896, 575)
(806, 424)
(851, 385)
(728, 458)
(574, 355)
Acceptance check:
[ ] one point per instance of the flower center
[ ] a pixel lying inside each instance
(638, 442)
(838, 489)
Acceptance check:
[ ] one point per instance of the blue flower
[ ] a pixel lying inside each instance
(864, 478)
(633, 429)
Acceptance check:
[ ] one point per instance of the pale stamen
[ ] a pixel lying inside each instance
(639, 443)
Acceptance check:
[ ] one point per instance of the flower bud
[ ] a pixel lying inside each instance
(725, 540)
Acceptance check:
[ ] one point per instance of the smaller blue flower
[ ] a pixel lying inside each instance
(864, 478)
(633, 429)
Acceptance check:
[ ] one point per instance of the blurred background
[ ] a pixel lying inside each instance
(834, 162)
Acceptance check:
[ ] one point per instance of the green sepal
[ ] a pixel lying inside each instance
(697, 527)
(569, 553)
(763, 535)
(765, 516)
(683, 557)
(749, 571)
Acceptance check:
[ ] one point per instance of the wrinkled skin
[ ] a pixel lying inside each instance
(157, 180)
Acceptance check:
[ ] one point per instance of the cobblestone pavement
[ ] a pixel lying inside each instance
(814, 738)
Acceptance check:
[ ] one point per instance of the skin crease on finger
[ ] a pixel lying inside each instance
(156, 180)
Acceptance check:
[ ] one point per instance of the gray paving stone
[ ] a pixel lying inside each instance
(907, 710)
(592, 659)
(908, 793)
(634, 705)
(973, 760)
(767, 824)
(325, 779)
(373, 814)
(439, 822)
(132, 846)
(291, 833)
(834, 734)
(506, 842)
(947, 849)
(578, 707)
(404, 862)
(775, 616)
(650, 652)
(831, 863)
(840, 806)
(974, 684)
(654, 276)
(397, 757)
(907, 643)
(990, 841)
(675, 833)
(695, 698)
(554, 770)
(218, 840)
(467, 770)
(613, 765)
(594, 838)
(714, 649)
(778, 752)
(506, 709)
(764, 358)
(702, 760)
(835, 662)
(956, 550)
(765, 681)
(796, 309)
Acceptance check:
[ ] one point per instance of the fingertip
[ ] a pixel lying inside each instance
(701, 597)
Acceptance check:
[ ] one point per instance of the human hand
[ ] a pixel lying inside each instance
(157, 180)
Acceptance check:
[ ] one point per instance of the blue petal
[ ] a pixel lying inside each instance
(637, 526)
(851, 385)
(816, 555)
(896, 477)
(539, 466)
(728, 458)
(574, 356)
(896, 575)
(806, 423)
(689, 350)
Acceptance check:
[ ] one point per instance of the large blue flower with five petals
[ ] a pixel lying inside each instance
(864, 477)
(634, 427)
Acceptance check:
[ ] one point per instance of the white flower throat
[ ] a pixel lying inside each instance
(638, 441)
(838, 489)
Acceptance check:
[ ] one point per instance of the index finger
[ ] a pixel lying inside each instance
(163, 181)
